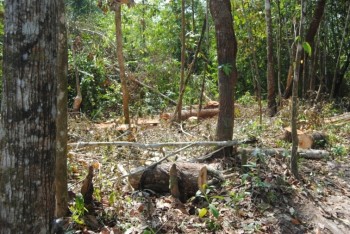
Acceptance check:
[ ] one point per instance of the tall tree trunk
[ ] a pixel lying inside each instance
(226, 51)
(294, 157)
(271, 95)
(61, 123)
(29, 111)
(279, 43)
(183, 60)
(120, 56)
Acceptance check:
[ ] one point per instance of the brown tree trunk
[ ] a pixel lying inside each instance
(183, 59)
(28, 123)
(295, 140)
(271, 96)
(61, 124)
(279, 43)
(123, 78)
(226, 51)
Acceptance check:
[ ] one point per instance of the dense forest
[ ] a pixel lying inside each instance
(191, 116)
(152, 50)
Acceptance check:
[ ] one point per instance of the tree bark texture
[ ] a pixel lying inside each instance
(226, 51)
(28, 115)
(120, 56)
(61, 123)
(271, 95)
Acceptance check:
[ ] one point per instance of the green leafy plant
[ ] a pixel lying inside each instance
(211, 208)
(339, 151)
(78, 209)
(307, 48)
(246, 100)
(226, 68)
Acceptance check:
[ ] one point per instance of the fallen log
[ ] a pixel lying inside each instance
(281, 152)
(185, 114)
(306, 140)
(155, 145)
(184, 179)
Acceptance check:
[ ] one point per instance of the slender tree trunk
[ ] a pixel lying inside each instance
(28, 115)
(314, 66)
(193, 18)
(271, 95)
(123, 78)
(79, 98)
(226, 50)
(183, 59)
(294, 158)
(279, 43)
(189, 73)
(61, 123)
(334, 80)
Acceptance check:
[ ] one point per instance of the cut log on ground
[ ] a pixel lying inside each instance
(185, 114)
(304, 153)
(306, 140)
(190, 176)
(339, 119)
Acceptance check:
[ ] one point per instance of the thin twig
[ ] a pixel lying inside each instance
(155, 145)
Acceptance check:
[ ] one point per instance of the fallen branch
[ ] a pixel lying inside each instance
(155, 145)
(185, 114)
(304, 153)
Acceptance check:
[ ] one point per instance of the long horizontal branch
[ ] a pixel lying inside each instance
(155, 145)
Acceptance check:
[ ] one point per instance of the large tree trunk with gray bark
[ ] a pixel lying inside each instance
(28, 115)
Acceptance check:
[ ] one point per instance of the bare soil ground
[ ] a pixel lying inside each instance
(266, 198)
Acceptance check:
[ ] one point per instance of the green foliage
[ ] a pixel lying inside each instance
(247, 99)
(78, 209)
(339, 151)
(307, 48)
(211, 224)
(226, 68)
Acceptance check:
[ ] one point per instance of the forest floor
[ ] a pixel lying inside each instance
(265, 198)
